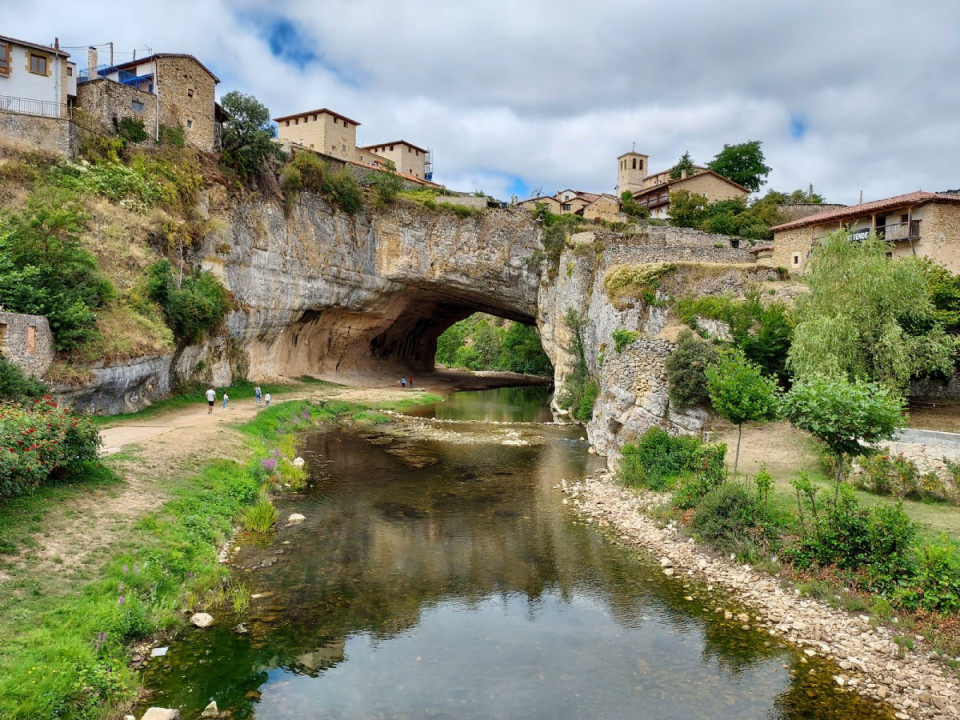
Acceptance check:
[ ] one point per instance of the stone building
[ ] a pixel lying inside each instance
(323, 131)
(164, 89)
(605, 207)
(712, 186)
(918, 223)
(406, 157)
(26, 341)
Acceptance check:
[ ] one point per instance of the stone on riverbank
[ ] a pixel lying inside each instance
(201, 620)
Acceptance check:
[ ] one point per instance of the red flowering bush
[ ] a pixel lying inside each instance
(41, 444)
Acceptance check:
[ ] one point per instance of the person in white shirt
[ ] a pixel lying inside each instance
(211, 399)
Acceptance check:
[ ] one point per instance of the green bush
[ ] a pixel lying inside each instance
(132, 129)
(44, 269)
(42, 444)
(260, 517)
(658, 458)
(622, 338)
(726, 516)
(15, 386)
(710, 474)
(686, 371)
(935, 584)
(580, 389)
(897, 475)
(386, 187)
(193, 309)
(172, 135)
(345, 192)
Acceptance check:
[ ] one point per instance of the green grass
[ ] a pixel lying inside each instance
(408, 402)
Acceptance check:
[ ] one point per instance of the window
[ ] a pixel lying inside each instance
(38, 64)
(189, 124)
(634, 163)
(796, 258)
(69, 71)
(334, 121)
(343, 148)
(137, 105)
(189, 92)
(391, 148)
(641, 164)
(4, 58)
(565, 207)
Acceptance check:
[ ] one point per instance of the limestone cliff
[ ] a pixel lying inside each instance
(625, 283)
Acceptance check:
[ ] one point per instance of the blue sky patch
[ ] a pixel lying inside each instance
(798, 127)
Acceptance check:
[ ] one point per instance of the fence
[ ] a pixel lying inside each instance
(25, 106)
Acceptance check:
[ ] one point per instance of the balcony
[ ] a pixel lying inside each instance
(900, 232)
(121, 76)
(26, 106)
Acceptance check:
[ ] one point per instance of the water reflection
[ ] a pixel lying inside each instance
(528, 403)
(463, 588)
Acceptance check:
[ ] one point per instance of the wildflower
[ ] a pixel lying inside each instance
(122, 600)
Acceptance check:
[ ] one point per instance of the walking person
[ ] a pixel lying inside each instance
(211, 399)
(257, 394)
(403, 382)
(266, 399)
(225, 399)
(410, 382)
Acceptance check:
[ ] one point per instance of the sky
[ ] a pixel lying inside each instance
(518, 96)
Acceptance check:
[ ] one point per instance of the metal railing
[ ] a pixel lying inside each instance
(26, 106)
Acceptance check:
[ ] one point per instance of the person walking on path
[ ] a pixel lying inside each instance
(225, 399)
(403, 382)
(211, 399)
(257, 394)
(410, 382)
(266, 399)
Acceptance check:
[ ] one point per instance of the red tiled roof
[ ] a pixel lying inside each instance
(315, 112)
(920, 197)
(149, 58)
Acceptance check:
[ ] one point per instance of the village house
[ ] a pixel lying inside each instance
(164, 90)
(918, 223)
(653, 191)
(406, 157)
(321, 130)
(35, 79)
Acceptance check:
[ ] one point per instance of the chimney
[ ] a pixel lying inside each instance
(683, 174)
(92, 63)
(56, 43)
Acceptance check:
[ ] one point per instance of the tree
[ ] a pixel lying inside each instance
(687, 209)
(740, 393)
(867, 316)
(247, 138)
(844, 415)
(743, 163)
(631, 208)
(684, 163)
(687, 370)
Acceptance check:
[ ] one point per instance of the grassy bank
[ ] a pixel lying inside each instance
(65, 643)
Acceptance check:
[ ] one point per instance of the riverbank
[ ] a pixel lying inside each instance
(871, 663)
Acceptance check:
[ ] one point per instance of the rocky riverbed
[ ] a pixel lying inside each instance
(869, 661)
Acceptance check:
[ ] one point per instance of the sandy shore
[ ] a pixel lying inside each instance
(869, 662)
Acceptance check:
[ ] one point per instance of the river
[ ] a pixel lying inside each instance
(449, 580)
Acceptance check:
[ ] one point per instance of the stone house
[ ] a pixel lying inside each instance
(605, 207)
(164, 89)
(406, 157)
(323, 131)
(550, 202)
(26, 341)
(918, 223)
(702, 182)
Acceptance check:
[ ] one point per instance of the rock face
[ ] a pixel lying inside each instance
(623, 283)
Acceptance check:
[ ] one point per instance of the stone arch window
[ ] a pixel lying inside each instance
(634, 163)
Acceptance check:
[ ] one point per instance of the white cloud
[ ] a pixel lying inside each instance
(552, 92)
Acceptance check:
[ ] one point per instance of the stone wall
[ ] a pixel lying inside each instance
(26, 340)
(108, 102)
(39, 133)
(187, 97)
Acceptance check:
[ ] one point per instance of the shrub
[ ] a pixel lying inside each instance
(710, 473)
(193, 309)
(172, 135)
(42, 444)
(580, 390)
(658, 458)
(16, 386)
(386, 187)
(622, 338)
(686, 371)
(726, 515)
(897, 475)
(935, 585)
(132, 129)
(345, 192)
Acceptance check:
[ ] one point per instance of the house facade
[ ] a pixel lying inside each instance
(165, 89)
(656, 197)
(323, 131)
(918, 223)
(605, 207)
(35, 79)
(406, 157)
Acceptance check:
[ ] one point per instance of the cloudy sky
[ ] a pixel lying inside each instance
(850, 96)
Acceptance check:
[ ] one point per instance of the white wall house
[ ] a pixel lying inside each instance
(35, 79)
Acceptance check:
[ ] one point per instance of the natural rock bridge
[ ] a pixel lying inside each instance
(320, 291)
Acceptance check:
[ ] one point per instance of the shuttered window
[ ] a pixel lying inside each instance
(4, 58)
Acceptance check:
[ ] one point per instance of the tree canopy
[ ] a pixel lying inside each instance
(867, 317)
(247, 137)
(743, 163)
(684, 163)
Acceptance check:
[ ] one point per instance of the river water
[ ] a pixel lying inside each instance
(448, 580)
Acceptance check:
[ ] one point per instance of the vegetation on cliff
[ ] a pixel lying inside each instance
(484, 342)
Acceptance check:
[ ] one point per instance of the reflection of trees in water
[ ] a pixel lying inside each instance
(387, 543)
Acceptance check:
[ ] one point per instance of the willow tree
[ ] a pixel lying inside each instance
(867, 317)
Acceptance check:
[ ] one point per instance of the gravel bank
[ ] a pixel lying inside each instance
(868, 661)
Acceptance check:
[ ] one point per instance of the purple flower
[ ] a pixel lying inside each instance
(124, 569)
(122, 600)
(269, 464)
